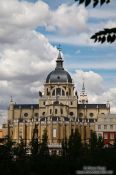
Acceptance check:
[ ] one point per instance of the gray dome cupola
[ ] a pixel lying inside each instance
(59, 75)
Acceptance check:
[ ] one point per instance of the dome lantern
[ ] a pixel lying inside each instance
(59, 75)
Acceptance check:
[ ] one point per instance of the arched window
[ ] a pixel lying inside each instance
(61, 111)
(58, 91)
(63, 93)
(56, 111)
(50, 111)
(43, 113)
(66, 93)
(69, 91)
(53, 93)
(91, 114)
(47, 92)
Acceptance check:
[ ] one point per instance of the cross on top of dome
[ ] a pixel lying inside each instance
(59, 74)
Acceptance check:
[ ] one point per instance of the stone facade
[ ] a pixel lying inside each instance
(59, 110)
(106, 128)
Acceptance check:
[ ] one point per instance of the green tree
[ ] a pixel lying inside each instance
(6, 151)
(93, 141)
(74, 145)
(114, 143)
(100, 142)
(64, 148)
(34, 142)
(19, 150)
(44, 150)
(35, 146)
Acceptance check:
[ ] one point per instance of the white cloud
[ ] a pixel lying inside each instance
(26, 56)
(17, 16)
(82, 39)
(93, 81)
(24, 53)
(70, 18)
(97, 93)
(102, 14)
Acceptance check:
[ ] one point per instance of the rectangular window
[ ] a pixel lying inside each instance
(111, 135)
(55, 111)
(105, 136)
(54, 132)
(111, 126)
(61, 111)
(50, 111)
(105, 126)
(99, 126)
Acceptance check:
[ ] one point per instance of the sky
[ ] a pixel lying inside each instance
(30, 32)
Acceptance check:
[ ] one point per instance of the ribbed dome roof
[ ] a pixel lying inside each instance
(59, 74)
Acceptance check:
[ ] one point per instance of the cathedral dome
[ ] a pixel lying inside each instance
(59, 75)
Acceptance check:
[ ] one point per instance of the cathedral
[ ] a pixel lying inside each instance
(60, 111)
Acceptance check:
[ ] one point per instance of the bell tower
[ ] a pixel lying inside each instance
(83, 99)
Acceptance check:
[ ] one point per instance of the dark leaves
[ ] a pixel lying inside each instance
(108, 35)
(103, 39)
(87, 2)
(95, 2)
(102, 2)
(81, 1)
(107, 1)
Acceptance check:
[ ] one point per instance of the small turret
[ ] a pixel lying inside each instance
(108, 106)
(11, 109)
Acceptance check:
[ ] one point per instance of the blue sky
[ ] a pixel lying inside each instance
(31, 30)
(100, 59)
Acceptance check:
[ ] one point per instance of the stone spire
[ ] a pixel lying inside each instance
(11, 100)
(83, 99)
(83, 87)
(59, 61)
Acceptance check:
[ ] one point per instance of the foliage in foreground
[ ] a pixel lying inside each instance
(106, 35)
(95, 2)
(74, 156)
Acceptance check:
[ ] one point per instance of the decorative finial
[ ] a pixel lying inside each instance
(59, 54)
(59, 61)
(59, 47)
